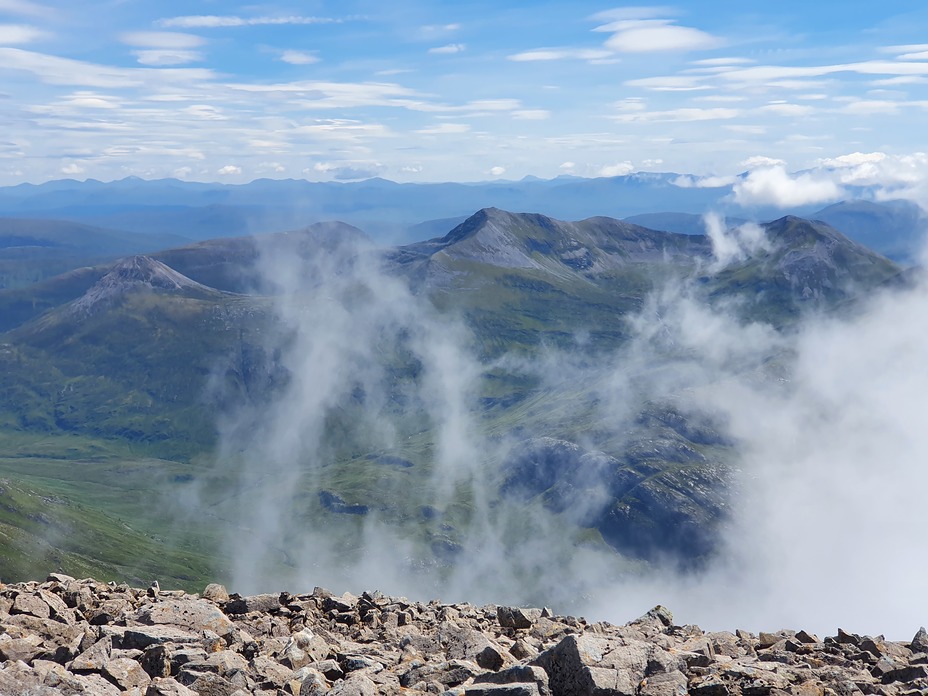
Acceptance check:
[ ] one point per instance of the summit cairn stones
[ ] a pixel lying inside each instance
(69, 636)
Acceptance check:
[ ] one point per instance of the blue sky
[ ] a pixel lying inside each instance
(465, 91)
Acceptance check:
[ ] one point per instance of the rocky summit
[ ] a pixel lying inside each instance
(69, 636)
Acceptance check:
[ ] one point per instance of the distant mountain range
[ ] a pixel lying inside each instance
(150, 350)
(393, 213)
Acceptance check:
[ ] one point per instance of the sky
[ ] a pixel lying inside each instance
(417, 91)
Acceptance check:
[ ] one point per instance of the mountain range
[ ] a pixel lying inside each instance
(117, 377)
(393, 213)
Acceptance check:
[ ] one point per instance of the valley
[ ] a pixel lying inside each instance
(272, 401)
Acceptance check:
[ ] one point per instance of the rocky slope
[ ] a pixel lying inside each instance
(68, 636)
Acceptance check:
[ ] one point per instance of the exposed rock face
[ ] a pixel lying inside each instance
(83, 637)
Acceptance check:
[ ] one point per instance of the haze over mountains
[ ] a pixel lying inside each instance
(402, 213)
(452, 414)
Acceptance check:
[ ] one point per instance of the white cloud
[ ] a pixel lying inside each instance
(774, 186)
(298, 57)
(682, 115)
(204, 112)
(26, 8)
(854, 159)
(182, 172)
(65, 71)
(444, 129)
(213, 21)
(20, 34)
(542, 54)
(686, 181)
(761, 161)
(229, 169)
(670, 83)
(901, 80)
(448, 49)
(655, 35)
(735, 243)
(161, 39)
(785, 109)
(632, 12)
(531, 114)
(72, 169)
(871, 106)
(920, 55)
(497, 171)
(568, 166)
(723, 61)
(167, 56)
(618, 169)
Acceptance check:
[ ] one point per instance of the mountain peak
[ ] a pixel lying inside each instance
(136, 273)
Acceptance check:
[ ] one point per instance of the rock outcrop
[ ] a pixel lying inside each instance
(68, 636)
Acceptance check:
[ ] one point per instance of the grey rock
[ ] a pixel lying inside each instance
(20, 649)
(516, 617)
(502, 690)
(31, 604)
(587, 665)
(126, 673)
(167, 687)
(93, 659)
(216, 593)
(194, 614)
(246, 605)
(919, 643)
(354, 685)
(141, 637)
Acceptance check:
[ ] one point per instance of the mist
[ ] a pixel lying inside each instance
(828, 473)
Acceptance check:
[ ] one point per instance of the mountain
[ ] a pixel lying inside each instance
(147, 353)
(896, 229)
(34, 249)
(131, 357)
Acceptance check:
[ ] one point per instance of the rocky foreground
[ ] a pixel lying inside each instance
(68, 636)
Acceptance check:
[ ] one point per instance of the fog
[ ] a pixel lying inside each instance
(827, 522)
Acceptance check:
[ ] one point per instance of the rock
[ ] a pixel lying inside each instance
(524, 675)
(247, 605)
(355, 685)
(919, 643)
(516, 617)
(31, 604)
(168, 643)
(20, 649)
(502, 690)
(93, 659)
(126, 674)
(195, 614)
(216, 593)
(587, 665)
(141, 637)
(167, 687)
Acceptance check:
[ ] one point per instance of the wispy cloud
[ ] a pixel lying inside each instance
(20, 34)
(214, 21)
(26, 8)
(448, 49)
(161, 39)
(683, 114)
(298, 57)
(66, 71)
(540, 54)
(656, 35)
(445, 129)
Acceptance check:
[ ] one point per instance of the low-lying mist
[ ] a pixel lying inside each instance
(826, 424)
